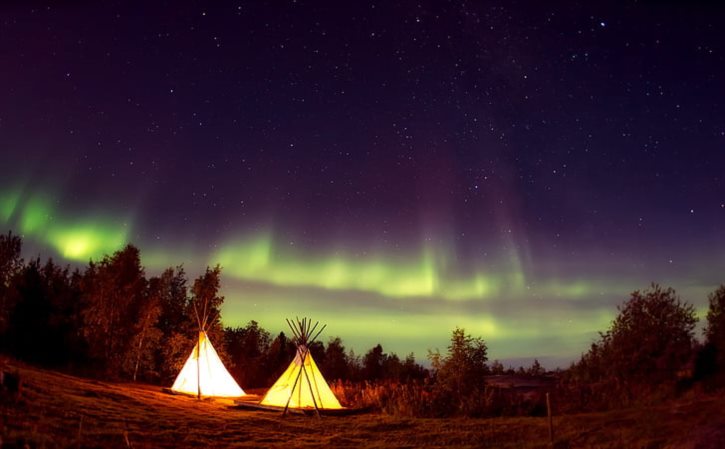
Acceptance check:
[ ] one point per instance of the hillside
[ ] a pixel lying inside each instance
(57, 410)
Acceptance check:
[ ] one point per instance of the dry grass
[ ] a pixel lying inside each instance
(56, 410)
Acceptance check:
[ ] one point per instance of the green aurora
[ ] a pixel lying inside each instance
(408, 303)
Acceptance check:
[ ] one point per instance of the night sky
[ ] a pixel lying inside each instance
(393, 169)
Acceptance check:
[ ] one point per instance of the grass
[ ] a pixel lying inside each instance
(57, 410)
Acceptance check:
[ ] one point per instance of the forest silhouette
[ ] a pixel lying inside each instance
(110, 321)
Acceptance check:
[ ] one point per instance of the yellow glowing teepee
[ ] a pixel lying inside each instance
(302, 385)
(204, 373)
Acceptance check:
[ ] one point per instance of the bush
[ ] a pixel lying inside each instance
(640, 356)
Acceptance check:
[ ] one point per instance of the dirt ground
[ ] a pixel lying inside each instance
(57, 410)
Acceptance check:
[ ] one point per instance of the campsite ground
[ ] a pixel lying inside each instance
(56, 410)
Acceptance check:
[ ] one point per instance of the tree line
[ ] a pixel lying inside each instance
(110, 320)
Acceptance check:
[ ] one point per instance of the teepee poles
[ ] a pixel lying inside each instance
(294, 385)
(198, 366)
(294, 331)
(290, 390)
(202, 328)
(309, 384)
(303, 331)
(318, 333)
(297, 331)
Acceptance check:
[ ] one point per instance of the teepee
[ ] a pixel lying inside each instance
(204, 373)
(302, 385)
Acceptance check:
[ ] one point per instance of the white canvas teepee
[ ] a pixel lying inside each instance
(204, 373)
(302, 384)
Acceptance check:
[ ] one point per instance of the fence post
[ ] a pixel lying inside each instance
(551, 422)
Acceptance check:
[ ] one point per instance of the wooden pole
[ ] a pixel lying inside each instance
(312, 330)
(303, 330)
(294, 331)
(312, 391)
(80, 431)
(318, 333)
(551, 422)
(198, 368)
(294, 385)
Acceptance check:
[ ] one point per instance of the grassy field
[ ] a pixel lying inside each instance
(57, 410)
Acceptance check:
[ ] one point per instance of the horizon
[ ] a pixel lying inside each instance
(273, 322)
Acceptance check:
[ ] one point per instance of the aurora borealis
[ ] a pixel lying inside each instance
(393, 169)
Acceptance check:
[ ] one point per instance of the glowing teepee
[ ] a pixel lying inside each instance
(302, 385)
(204, 373)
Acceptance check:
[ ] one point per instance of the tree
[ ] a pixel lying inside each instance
(652, 337)
(377, 365)
(497, 367)
(10, 266)
(281, 353)
(112, 291)
(392, 367)
(28, 327)
(174, 302)
(205, 301)
(373, 363)
(178, 327)
(10, 261)
(411, 370)
(354, 366)
(536, 369)
(462, 370)
(715, 329)
(649, 341)
(247, 347)
(43, 323)
(335, 365)
(206, 305)
(147, 335)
